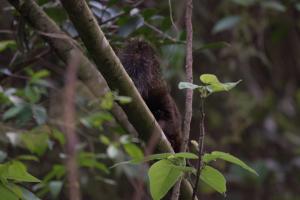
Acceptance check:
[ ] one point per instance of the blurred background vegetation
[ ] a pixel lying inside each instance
(257, 41)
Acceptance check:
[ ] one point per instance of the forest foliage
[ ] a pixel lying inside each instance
(256, 41)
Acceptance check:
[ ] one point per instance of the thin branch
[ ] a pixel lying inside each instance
(189, 93)
(200, 150)
(7, 32)
(171, 16)
(160, 32)
(113, 18)
(99, 48)
(69, 129)
(63, 47)
(189, 76)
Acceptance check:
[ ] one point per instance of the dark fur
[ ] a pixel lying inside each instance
(140, 62)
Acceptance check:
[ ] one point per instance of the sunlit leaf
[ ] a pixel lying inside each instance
(214, 85)
(123, 99)
(162, 176)
(220, 87)
(105, 140)
(214, 179)
(7, 194)
(133, 151)
(209, 79)
(28, 157)
(186, 155)
(16, 171)
(4, 44)
(208, 157)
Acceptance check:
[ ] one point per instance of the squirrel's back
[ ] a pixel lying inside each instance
(140, 61)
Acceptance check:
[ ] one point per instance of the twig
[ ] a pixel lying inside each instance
(7, 31)
(69, 122)
(189, 93)
(171, 17)
(113, 18)
(200, 150)
(160, 32)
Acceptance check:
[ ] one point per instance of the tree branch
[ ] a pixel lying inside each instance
(189, 93)
(138, 113)
(113, 71)
(64, 46)
(110, 66)
(69, 128)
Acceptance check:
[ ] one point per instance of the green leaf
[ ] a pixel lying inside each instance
(214, 45)
(107, 101)
(214, 179)
(13, 112)
(55, 188)
(244, 2)
(15, 188)
(209, 79)
(186, 155)
(208, 157)
(220, 87)
(27, 195)
(89, 160)
(93, 163)
(28, 157)
(133, 151)
(214, 85)
(105, 140)
(39, 114)
(226, 23)
(7, 194)
(7, 44)
(123, 99)
(35, 76)
(57, 172)
(59, 136)
(96, 120)
(158, 156)
(132, 25)
(162, 176)
(274, 5)
(16, 171)
(36, 142)
(187, 85)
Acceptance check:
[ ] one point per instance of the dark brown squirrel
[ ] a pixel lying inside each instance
(140, 61)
